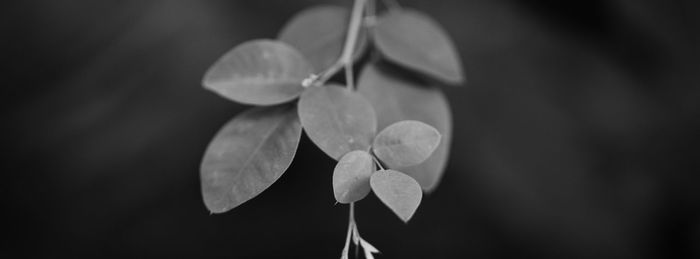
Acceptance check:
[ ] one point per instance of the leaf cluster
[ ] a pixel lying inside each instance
(389, 133)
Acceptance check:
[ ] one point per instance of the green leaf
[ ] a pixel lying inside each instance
(405, 143)
(337, 120)
(259, 72)
(248, 155)
(395, 99)
(416, 41)
(398, 191)
(319, 34)
(351, 176)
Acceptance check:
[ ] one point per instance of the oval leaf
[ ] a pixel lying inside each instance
(394, 100)
(416, 41)
(351, 176)
(398, 191)
(337, 120)
(406, 143)
(247, 155)
(319, 34)
(259, 72)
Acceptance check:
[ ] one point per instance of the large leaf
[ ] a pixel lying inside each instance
(395, 100)
(398, 191)
(319, 33)
(416, 41)
(337, 120)
(351, 176)
(405, 143)
(249, 154)
(259, 72)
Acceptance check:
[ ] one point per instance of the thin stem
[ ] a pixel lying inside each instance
(353, 30)
(355, 231)
(346, 57)
(346, 248)
(352, 233)
(376, 161)
(353, 223)
(345, 61)
(328, 73)
(352, 213)
(351, 41)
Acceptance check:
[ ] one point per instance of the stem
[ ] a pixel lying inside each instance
(353, 30)
(352, 233)
(376, 161)
(351, 41)
(349, 79)
(345, 61)
(355, 231)
(352, 213)
(344, 254)
(346, 57)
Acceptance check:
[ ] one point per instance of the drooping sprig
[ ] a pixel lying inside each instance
(390, 134)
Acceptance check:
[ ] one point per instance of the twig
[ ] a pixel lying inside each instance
(346, 57)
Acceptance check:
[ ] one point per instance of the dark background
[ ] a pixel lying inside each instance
(576, 135)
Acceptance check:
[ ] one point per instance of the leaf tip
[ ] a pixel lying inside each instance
(215, 208)
(398, 191)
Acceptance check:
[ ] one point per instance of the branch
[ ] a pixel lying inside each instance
(346, 57)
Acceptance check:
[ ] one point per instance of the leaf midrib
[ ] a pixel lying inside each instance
(258, 147)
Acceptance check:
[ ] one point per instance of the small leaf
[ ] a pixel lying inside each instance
(259, 72)
(395, 99)
(319, 34)
(248, 155)
(398, 191)
(405, 143)
(337, 120)
(351, 176)
(414, 40)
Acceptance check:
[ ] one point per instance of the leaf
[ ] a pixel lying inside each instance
(319, 34)
(405, 143)
(398, 191)
(416, 41)
(248, 155)
(395, 100)
(351, 176)
(337, 120)
(259, 72)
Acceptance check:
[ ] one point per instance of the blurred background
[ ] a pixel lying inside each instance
(576, 135)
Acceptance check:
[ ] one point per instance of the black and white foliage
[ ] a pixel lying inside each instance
(389, 134)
